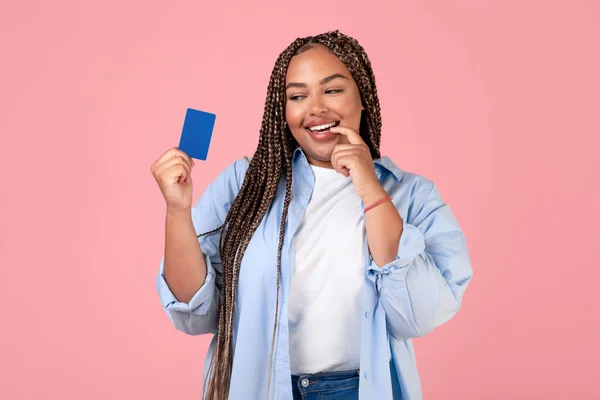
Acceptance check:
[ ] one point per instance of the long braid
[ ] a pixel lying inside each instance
(273, 157)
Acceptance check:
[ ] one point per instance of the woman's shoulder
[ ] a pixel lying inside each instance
(232, 176)
(401, 176)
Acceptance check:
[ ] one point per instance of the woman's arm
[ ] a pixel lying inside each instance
(423, 286)
(384, 228)
(187, 282)
(184, 266)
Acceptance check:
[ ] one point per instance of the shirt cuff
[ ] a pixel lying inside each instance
(412, 243)
(199, 304)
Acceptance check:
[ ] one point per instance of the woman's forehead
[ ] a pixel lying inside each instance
(314, 63)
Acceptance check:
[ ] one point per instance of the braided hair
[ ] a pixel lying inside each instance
(272, 160)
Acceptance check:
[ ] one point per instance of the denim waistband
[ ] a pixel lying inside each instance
(326, 381)
(329, 375)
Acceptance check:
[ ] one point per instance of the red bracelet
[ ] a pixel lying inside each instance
(378, 202)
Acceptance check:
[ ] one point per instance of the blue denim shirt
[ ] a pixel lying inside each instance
(404, 299)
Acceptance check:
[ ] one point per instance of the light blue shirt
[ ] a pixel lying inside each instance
(405, 299)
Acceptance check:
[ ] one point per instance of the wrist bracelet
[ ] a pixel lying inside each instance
(378, 202)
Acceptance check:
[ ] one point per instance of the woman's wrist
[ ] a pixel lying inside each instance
(374, 196)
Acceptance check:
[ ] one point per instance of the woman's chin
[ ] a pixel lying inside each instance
(320, 158)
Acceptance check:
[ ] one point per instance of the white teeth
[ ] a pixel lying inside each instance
(321, 127)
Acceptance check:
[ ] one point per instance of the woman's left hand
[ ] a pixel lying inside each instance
(354, 159)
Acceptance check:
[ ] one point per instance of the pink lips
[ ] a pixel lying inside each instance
(318, 121)
(321, 136)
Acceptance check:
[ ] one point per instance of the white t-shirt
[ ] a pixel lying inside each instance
(326, 294)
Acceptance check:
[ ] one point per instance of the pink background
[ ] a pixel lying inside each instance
(496, 101)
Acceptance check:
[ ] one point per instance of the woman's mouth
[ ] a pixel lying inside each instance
(322, 132)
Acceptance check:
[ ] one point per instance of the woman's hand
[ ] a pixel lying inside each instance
(354, 159)
(172, 172)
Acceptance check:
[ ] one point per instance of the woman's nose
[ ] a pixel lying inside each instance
(318, 106)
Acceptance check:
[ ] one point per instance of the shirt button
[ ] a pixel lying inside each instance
(366, 375)
(366, 314)
(304, 382)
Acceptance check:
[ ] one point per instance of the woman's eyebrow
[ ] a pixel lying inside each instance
(322, 82)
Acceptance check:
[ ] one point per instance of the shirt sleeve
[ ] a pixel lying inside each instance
(201, 314)
(423, 288)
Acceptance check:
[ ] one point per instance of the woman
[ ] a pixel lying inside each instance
(342, 257)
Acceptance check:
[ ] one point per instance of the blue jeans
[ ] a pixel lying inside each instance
(326, 386)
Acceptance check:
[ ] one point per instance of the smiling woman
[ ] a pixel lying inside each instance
(320, 94)
(316, 263)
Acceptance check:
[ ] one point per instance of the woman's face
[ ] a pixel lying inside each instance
(320, 91)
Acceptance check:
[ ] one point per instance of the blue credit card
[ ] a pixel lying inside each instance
(196, 134)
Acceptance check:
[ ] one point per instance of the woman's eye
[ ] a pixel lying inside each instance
(297, 97)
